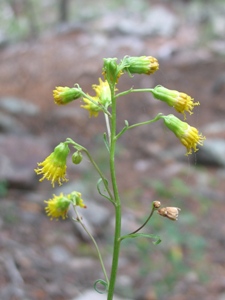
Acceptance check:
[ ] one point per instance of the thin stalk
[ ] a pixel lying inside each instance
(143, 225)
(108, 127)
(139, 124)
(79, 219)
(100, 173)
(81, 148)
(117, 204)
(133, 91)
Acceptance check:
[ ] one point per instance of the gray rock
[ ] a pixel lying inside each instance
(212, 153)
(19, 157)
(18, 106)
(59, 254)
(92, 295)
(8, 124)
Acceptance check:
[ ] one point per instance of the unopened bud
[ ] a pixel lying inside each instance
(141, 65)
(64, 95)
(156, 204)
(169, 212)
(77, 157)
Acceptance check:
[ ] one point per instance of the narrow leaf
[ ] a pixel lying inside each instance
(146, 235)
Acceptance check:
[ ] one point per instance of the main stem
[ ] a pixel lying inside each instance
(117, 204)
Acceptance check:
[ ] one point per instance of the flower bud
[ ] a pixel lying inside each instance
(141, 65)
(77, 157)
(64, 95)
(111, 70)
(156, 204)
(169, 212)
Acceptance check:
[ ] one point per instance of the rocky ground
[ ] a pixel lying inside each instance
(43, 259)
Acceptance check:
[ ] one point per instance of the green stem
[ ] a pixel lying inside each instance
(143, 225)
(79, 219)
(100, 173)
(133, 91)
(81, 148)
(117, 204)
(139, 124)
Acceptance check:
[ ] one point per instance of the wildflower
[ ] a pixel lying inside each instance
(64, 95)
(102, 98)
(75, 198)
(188, 135)
(57, 207)
(169, 212)
(54, 166)
(180, 101)
(141, 65)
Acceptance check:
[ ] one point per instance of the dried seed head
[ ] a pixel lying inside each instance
(169, 212)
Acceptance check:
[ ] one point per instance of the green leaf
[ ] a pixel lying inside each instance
(99, 188)
(106, 141)
(146, 235)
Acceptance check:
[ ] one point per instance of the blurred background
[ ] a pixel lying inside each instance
(46, 43)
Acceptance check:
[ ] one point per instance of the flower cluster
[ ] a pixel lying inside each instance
(54, 167)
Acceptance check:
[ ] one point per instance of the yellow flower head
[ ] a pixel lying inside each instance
(54, 166)
(64, 95)
(141, 65)
(180, 101)
(188, 135)
(57, 207)
(102, 98)
(93, 106)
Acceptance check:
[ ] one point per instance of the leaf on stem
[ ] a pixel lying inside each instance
(146, 235)
(106, 141)
(99, 188)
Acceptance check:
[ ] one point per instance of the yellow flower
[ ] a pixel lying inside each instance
(57, 207)
(64, 95)
(102, 98)
(91, 106)
(140, 65)
(188, 135)
(180, 101)
(54, 166)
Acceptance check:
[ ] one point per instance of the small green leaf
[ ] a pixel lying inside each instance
(106, 141)
(99, 188)
(146, 235)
